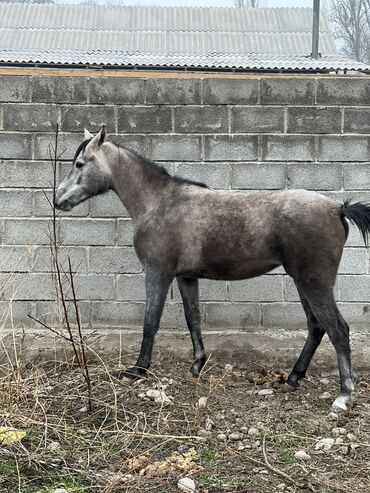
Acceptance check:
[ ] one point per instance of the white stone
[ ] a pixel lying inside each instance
(253, 431)
(221, 437)
(159, 396)
(265, 392)
(234, 437)
(202, 402)
(228, 367)
(302, 455)
(324, 381)
(187, 485)
(351, 437)
(54, 446)
(324, 444)
(60, 490)
(325, 395)
(338, 431)
(333, 416)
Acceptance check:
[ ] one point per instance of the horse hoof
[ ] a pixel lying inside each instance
(196, 368)
(340, 403)
(133, 375)
(286, 387)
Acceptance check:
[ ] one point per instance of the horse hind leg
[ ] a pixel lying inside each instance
(315, 335)
(189, 290)
(330, 320)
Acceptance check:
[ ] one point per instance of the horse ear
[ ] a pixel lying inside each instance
(102, 135)
(88, 135)
(99, 138)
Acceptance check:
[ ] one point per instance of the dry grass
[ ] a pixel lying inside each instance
(128, 439)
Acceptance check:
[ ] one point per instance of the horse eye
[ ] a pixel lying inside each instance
(79, 164)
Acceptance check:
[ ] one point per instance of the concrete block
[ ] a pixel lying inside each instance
(114, 260)
(30, 117)
(344, 148)
(131, 287)
(14, 88)
(15, 313)
(259, 176)
(230, 91)
(354, 288)
(230, 147)
(263, 288)
(201, 119)
(87, 231)
(130, 141)
(356, 314)
(94, 287)
(107, 205)
(315, 176)
(49, 312)
(43, 261)
(42, 206)
(357, 120)
(144, 119)
(117, 90)
(315, 120)
(14, 258)
(67, 145)
(174, 147)
(257, 119)
(286, 315)
(29, 174)
(232, 315)
(354, 236)
(287, 90)
(215, 175)
(76, 118)
(288, 148)
(209, 290)
(26, 231)
(290, 290)
(15, 146)
(118, 314)
(15, 203)
(356, 176)
(173, 91)
(22, 287)
(59, 89)
(125, 232)
(173, 317)
(354, 261)
(344, 91)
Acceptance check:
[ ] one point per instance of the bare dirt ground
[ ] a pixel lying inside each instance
(218, 430)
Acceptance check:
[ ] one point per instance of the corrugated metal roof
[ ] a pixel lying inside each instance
(164, 36)
(250, 61)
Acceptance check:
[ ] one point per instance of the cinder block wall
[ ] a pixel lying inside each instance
(234, 132)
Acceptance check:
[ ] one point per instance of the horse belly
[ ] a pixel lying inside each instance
(229, 268)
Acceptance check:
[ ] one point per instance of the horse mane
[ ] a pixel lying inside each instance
(158, 168)
(80, 149)
(161, 170)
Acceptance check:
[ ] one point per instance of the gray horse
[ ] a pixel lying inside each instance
(184, 230)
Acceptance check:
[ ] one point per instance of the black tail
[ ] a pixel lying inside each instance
(358, 213)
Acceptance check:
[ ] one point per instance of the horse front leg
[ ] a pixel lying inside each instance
(189, 290)
(156, 284)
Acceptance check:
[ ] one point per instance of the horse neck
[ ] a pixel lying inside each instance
(136, 184)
